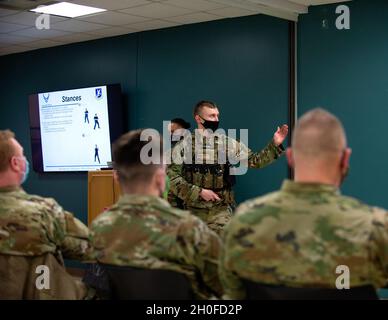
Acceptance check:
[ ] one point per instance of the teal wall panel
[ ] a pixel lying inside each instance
(345, 71)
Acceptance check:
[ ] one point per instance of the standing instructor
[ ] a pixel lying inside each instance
(205, 184)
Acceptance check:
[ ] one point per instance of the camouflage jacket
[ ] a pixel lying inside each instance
(146, 232)
(18, 278)
(32, 226)
(189, 191)
(298, 237)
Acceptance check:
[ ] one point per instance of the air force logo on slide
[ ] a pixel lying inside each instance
(46, 98)
(98, 93)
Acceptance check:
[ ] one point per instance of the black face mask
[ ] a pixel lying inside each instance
(211, 125)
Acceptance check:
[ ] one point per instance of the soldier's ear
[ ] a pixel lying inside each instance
(346, 158)
(290, 158)
(198, 118)
(160, 178)
(14, 164)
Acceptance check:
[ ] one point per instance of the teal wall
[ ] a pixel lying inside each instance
(240, 63)
(346, 73)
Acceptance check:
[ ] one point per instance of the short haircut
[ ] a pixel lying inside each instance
(202, 104)
(7, 150)
(181, 122)
(127, 157)
(319, 135)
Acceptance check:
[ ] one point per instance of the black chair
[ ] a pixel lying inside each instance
(129, 283)
(257, 291)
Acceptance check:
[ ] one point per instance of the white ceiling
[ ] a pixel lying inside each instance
(18, 32)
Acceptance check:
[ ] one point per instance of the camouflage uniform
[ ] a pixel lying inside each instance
(173, 200)
(32, 229)
(146, 232)
(187, 181)
(298, 236)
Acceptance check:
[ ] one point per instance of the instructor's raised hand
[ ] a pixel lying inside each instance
(280, 134)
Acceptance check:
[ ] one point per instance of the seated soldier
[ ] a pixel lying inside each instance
(142, 230)
(35, 235)
(298, 236)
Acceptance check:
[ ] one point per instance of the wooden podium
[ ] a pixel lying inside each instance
(103, 192)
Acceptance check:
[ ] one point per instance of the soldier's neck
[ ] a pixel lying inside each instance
(8, 179)
(139, 189)
(316, 177)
